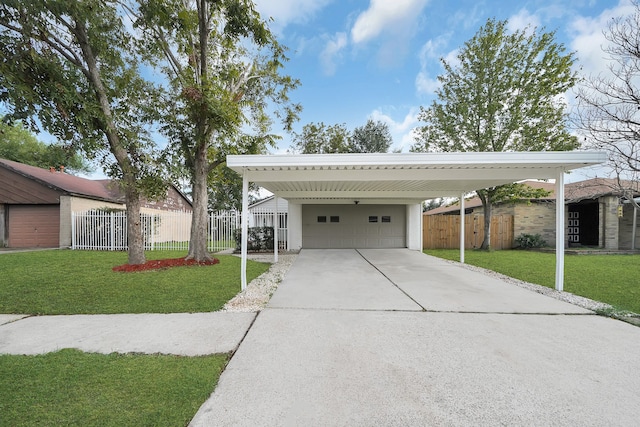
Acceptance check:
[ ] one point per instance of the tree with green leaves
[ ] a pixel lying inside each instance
(20, 145)
(373, 137)
(318, 138)
(504, 94)
(68, 66)
(222, 66)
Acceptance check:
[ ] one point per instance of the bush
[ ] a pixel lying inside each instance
(258, 238)
(528, 241)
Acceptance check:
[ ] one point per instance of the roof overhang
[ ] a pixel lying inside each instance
(401, 178)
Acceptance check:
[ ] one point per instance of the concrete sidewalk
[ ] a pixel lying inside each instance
(396, 337)
(181, 333)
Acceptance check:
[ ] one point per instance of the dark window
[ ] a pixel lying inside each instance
(335, 219)
(385, 219)
(373, 219)
(322, 219)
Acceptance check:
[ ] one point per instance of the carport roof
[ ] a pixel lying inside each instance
(399, 177)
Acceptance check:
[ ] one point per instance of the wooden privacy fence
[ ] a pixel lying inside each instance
(443, 231)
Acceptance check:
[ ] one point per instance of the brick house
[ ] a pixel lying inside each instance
(592, 214)
(36, 204)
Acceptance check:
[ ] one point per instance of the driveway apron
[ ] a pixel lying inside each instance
(396, 338)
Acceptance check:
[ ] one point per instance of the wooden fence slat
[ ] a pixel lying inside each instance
(443, 231)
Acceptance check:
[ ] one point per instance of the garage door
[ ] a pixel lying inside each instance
(353, 226)
(32, 226)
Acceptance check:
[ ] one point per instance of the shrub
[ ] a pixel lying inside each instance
(528, 241)
(258, 238)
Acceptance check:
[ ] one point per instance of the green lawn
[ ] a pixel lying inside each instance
(72, 388)
(82, 282)
(613, 279)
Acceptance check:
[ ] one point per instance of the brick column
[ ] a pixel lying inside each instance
(610, 222)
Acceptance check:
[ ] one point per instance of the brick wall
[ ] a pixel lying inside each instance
(537, 217)
(610, 222)
(626, 227)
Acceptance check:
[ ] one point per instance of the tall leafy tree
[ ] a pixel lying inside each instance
(21, 145)
(504, 94)
(222, 66)
(609, 104)
(373, 137)
(318, 138)
(69, 65)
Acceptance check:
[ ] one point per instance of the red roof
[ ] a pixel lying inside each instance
(64, 182)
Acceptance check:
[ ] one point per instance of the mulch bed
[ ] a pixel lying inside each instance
(158, 264)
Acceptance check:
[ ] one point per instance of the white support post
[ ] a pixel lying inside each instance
(633, 229)
(462, 228)
(275, 229)
(560, 229)
(245, 230)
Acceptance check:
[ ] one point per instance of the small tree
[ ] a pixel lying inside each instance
(318, 138)
(373, 137)
(505, 95)
(609, 104)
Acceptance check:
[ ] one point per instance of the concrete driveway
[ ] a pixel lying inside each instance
(398, 338)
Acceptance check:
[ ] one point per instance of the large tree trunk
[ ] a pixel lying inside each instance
(199, 220)
(129, 172)
(485, 197)
(134, 227)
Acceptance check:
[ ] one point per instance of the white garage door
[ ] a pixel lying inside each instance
(353, 226)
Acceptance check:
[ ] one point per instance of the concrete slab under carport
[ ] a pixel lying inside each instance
(335, 366)
(338, 279)
(439, 285)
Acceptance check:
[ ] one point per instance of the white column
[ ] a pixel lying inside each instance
(245, 230)
(462, 228)
(560, 230)
(633, 229)
(275, 230)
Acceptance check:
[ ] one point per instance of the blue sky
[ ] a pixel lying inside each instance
(379, 59)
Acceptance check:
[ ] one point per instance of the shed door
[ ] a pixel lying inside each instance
(353, 226)
(34, 226)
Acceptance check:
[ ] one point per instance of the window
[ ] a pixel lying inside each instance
(373, 219)
(322, 219)
(386, 219)
(335, 219)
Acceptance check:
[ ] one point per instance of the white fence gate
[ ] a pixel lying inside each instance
(104, 230)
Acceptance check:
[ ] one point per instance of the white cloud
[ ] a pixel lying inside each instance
(332, 51)
(588, 38)
(285, 12)
(402, 131)
(523, 20)
(430, 65)
(395, 17)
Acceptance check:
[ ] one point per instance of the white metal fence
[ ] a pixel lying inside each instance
(103, 230)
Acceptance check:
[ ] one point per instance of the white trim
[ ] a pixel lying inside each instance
(560, 230)
(462, 228)
(276, 227)
(245, 231)
(403, 160)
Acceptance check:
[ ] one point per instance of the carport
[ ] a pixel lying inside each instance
(397, 179)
